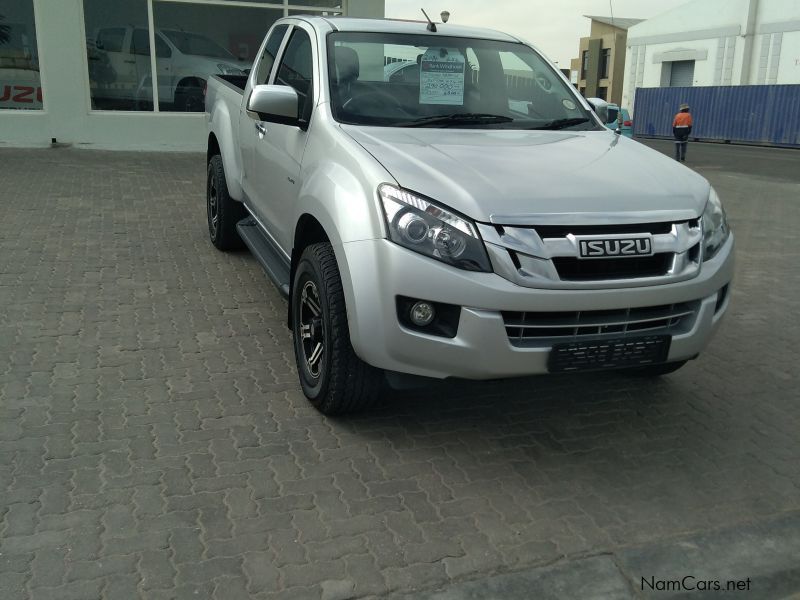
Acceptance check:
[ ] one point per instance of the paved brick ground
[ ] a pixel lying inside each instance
(154, 442)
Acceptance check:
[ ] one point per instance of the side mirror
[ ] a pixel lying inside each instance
(600, 107)
(275, 103)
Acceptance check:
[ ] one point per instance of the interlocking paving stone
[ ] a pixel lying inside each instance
(154, 441)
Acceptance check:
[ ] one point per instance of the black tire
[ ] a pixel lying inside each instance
(223, 212)
(337, 381)
(656, 370)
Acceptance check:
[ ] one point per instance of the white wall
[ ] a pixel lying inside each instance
(721, 33)
(65, 82)
(789, 64)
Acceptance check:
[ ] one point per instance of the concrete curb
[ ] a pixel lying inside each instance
(764, 556)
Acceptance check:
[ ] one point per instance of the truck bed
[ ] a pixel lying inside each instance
(224, 97)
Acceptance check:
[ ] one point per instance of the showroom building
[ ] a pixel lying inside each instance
(80, 72)
(715, 43)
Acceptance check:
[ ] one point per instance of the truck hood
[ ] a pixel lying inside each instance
(532, 177)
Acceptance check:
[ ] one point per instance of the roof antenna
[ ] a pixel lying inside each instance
(431, 24)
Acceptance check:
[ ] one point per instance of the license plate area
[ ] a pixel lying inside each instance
(612, 353)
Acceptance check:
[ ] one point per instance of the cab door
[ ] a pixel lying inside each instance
(262, 75)
(278, 149)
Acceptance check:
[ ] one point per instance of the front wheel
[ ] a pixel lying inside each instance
(333, 378)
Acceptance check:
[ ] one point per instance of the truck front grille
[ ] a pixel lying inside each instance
(548, 256)
(558, 231)
(542, 328)
(574, 269)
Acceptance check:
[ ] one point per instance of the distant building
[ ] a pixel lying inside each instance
(599, 70)
(715, 42)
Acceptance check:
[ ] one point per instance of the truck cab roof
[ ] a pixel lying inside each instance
(328, 24)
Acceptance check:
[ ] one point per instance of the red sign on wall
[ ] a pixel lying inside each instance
(20, 91)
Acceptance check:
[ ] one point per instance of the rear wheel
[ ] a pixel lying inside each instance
(333, 378)
(223, 211)
(656, 370)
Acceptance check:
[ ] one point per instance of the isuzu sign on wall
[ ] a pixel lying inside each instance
(20, 89)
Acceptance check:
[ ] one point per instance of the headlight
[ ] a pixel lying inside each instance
(229, 70)
(422, 226)
(715, 226)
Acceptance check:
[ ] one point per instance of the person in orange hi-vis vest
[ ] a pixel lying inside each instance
(681, 129)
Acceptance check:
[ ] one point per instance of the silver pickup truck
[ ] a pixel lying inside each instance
(471, 218)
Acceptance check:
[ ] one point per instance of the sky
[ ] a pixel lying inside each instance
(553, 26)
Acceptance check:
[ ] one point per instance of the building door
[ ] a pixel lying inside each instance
(682, 74)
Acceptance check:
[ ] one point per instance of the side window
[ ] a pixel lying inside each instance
(162, 50)
(296, 69)
(111, 40)
(267, 59)
(141, 42)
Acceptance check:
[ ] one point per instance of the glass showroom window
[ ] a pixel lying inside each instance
(118, 54)
(20, 85)
(314, 11)
(203, 40)
(193, 40)
(326, 8)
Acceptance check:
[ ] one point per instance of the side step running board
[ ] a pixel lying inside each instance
(266, 254)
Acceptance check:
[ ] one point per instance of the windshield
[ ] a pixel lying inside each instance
(197, 45)
(410, 80)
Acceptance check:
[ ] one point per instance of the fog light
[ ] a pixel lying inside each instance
(422, 313)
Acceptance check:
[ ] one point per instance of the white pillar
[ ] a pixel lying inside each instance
(62, 52)
(749, 35)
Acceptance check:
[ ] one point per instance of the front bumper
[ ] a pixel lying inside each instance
(375, 272)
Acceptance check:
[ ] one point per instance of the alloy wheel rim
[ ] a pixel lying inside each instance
(213, 211)
(312, 329)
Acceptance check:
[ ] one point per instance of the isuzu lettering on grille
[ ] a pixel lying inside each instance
(615, 247)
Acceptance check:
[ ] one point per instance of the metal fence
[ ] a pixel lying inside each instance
(749, 114)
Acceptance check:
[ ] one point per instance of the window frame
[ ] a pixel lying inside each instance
(307, 110)
(328, 45)
(258, 78)
(38, 87)
(604, 64)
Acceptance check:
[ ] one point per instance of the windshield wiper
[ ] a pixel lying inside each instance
(456, 119)
(562, 123)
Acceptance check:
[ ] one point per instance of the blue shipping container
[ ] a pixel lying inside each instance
(749, 114)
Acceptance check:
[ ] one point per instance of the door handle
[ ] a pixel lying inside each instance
(261, 129)
(130, 62)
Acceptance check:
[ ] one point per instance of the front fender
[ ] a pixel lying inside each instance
(341, 194)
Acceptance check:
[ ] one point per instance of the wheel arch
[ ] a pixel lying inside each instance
(307, 231)
(212, 148)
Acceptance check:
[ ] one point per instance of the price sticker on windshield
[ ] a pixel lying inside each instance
(441, 77)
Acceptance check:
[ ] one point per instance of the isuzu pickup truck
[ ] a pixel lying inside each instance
(474, 220)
